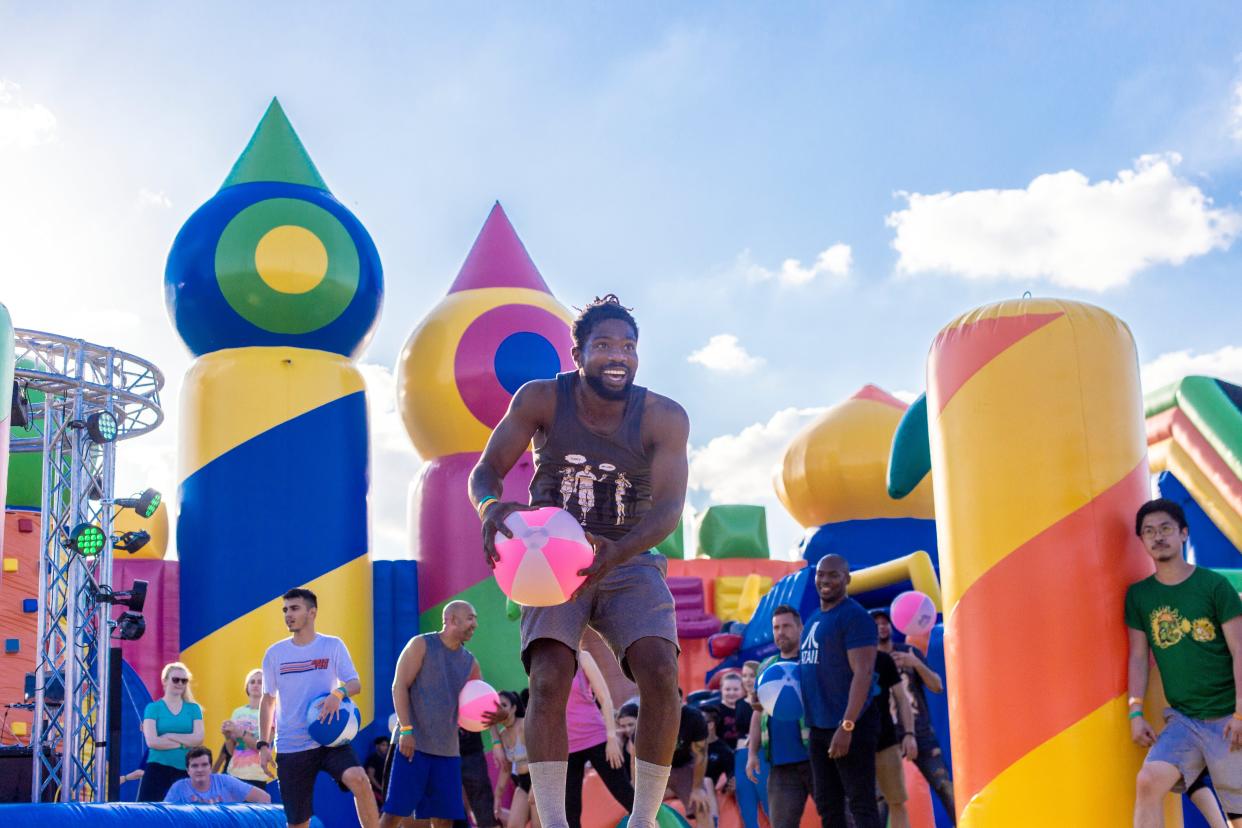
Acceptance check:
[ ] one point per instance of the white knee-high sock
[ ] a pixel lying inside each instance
(650, 782)
(547, 785)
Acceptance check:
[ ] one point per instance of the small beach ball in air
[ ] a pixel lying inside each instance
(539, 565)
(780, 691)
(474, 701)
(913, 613)
(337, 730)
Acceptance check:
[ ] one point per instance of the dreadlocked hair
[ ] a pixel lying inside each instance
(603, 307)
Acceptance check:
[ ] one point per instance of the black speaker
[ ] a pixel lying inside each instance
(16, 774)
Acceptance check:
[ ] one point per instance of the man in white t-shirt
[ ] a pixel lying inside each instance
(296, 671)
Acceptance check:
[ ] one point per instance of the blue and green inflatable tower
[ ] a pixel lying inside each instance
(276, 287)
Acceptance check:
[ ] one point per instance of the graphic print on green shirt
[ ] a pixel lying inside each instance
(1183, 626)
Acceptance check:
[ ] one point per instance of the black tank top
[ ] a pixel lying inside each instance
(603, 481)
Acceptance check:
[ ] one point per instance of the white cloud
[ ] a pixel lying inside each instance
(147, 198)
(23, 125)
(738, 468)
(723, 354)
(394, 465)
(1064, 228)
(907, 397)
(833, 265)
(1225, 363)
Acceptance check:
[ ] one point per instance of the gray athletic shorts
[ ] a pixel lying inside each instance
(632, 602)
(1193, 744)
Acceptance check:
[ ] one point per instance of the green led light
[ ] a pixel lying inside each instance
(152, 506)
(102, 427)
(87, 540)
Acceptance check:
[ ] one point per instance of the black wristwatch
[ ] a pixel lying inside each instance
(259, 745)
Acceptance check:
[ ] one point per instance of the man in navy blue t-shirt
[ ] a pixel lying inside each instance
(838, 683)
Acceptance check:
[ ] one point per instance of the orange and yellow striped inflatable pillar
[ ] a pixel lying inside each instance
(1039, 463)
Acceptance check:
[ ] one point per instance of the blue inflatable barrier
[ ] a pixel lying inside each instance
(143, 815)
(1208, 545)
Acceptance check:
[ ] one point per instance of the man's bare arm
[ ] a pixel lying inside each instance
(862, 663)
(409, 663)
(526, 415)
(529, 411)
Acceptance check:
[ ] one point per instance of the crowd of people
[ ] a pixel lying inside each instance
(863, 695)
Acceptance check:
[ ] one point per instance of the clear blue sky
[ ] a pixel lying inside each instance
(676, 154)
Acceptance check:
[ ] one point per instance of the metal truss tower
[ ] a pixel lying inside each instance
(76, 379)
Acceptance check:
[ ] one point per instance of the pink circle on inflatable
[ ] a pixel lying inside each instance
(476, 700)
(913, 613)
(539, 565)
(474, 365)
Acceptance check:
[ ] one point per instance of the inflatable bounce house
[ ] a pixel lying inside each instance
(1005, 494)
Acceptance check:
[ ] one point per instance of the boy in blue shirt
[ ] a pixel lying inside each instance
(838, 684)
(206, 788)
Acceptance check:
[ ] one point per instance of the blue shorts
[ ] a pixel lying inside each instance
(425, 787)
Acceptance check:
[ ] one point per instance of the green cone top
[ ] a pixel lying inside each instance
(275, 153)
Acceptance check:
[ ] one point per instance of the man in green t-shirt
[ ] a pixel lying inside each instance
(1190, 619)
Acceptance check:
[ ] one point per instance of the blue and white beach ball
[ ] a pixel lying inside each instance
(337, 730)
(780, 691)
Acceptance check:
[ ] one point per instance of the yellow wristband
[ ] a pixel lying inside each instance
(1238, 716)
(337, 692)
(1136, 700)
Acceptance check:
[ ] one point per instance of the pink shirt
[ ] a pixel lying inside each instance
(582, 717)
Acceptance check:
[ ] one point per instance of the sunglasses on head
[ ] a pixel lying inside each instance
(179, 680)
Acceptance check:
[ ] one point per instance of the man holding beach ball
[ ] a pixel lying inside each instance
(425, 780)
(611, 456)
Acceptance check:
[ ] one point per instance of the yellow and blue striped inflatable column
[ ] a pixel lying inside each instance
(276, 287)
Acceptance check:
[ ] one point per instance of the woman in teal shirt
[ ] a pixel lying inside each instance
(171, 725)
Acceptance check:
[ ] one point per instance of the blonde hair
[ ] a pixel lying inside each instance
(257, 671)
(177, 665)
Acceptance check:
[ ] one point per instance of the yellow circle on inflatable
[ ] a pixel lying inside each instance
(835, 468)
(291, 259)
(127, 520)
(431, 406)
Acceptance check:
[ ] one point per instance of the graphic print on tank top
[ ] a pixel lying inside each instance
(602, 480)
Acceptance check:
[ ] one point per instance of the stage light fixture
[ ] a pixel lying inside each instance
(131, 542)
(102, 426)
(130, 626)
(20, 414)
(87, 539)
(144, 504)
(134, 598)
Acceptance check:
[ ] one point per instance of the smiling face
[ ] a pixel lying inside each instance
(460, 620)
(730, 689)
(608, 359)
(1162, 537)
(626, 726)
(883, 628)
(832, 577)
(175, 683)
(507, 709)
(748, 679)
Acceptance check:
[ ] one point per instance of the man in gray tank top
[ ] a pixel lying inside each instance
(426, 766)
(613, 455)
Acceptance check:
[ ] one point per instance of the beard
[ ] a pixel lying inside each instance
(596, 384)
